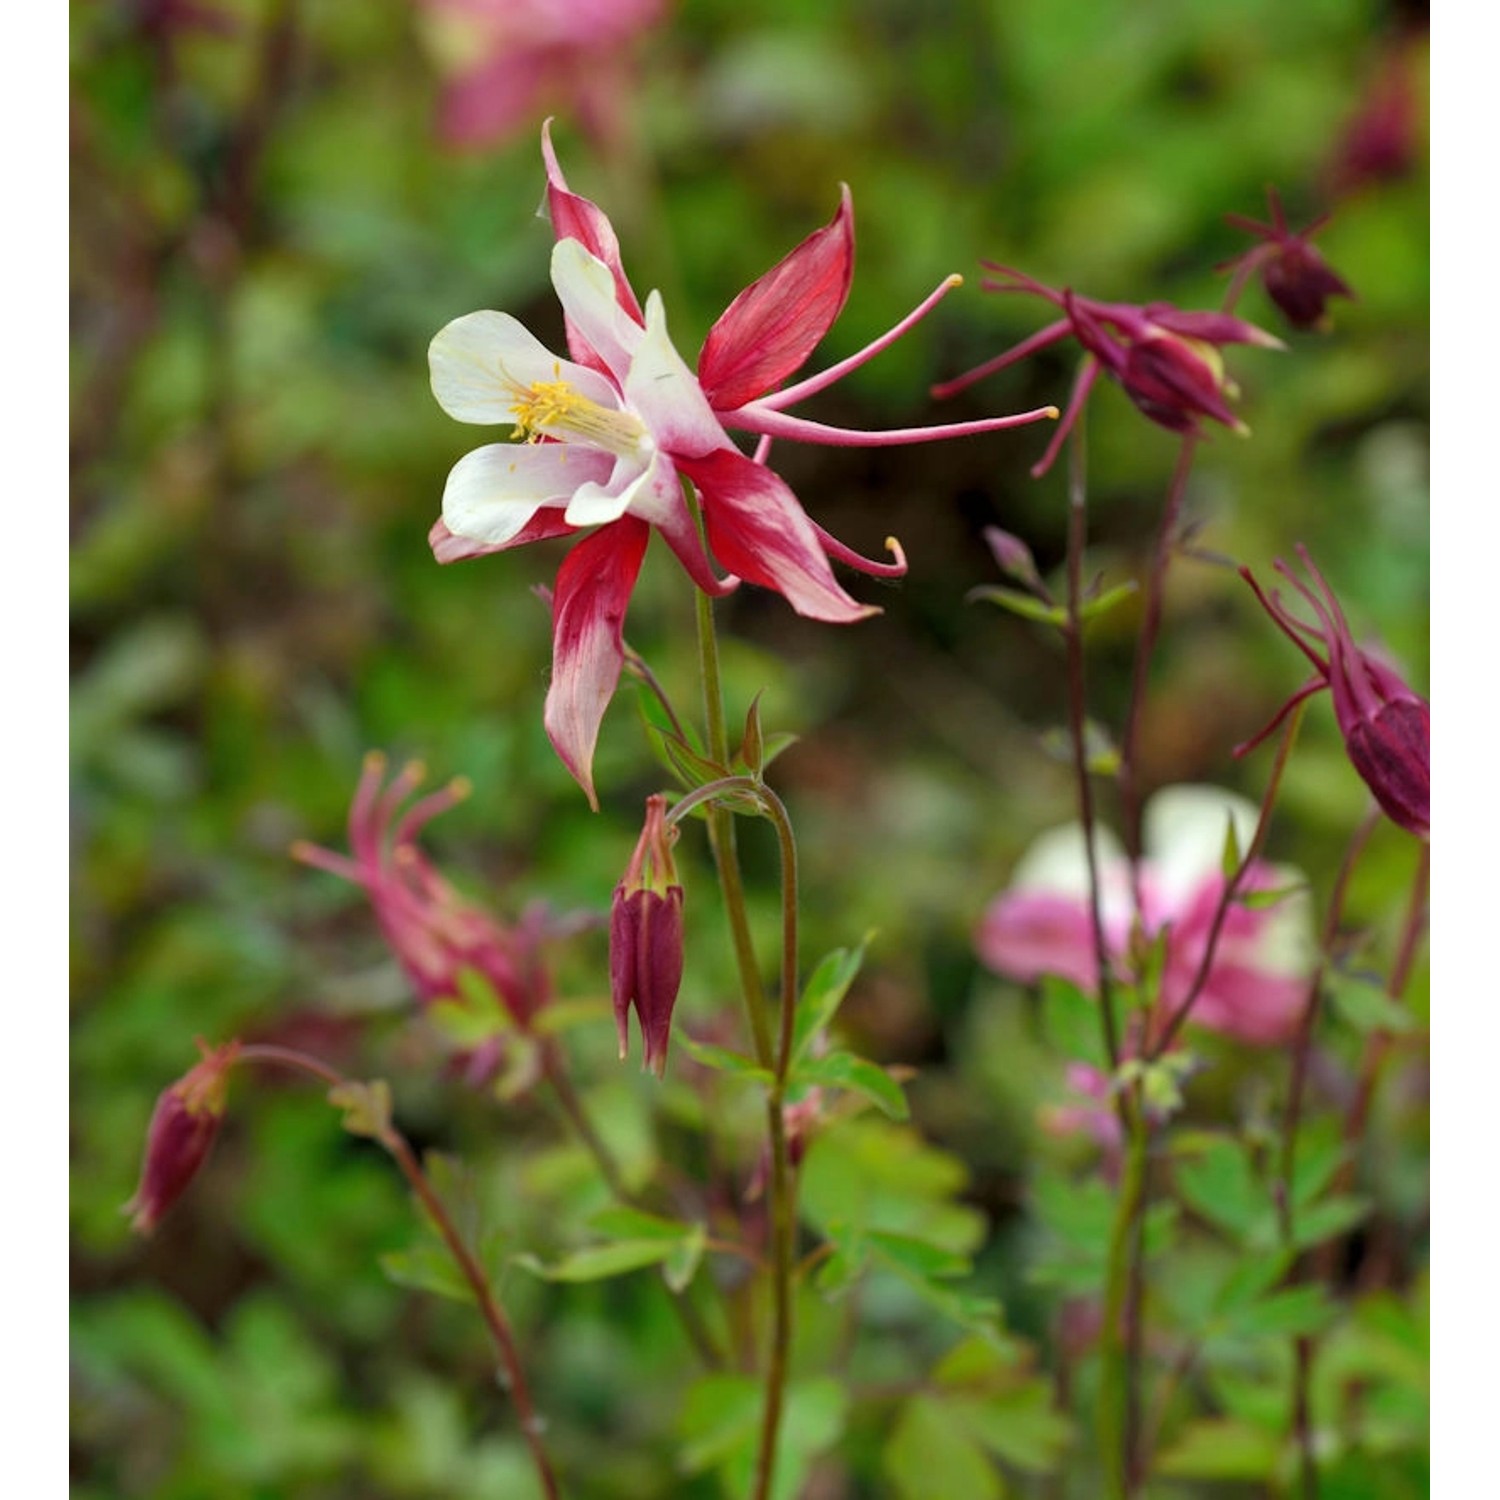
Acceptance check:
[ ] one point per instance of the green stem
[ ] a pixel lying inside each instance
(778, 1059)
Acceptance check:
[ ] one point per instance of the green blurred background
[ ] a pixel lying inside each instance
(267, 230)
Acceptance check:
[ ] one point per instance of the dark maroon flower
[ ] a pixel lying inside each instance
(645, 939)
(1386, 727)
(1292, 270)
(181, 1134)
(1166, 360)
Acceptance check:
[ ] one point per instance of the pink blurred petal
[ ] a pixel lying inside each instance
(1026, 934)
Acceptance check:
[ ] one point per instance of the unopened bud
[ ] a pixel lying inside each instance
(645, 940)
(181, 1134)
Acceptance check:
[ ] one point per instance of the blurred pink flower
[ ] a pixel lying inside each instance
(1257, 983)
(434, 933)
(507, 62)
(612, 433)
(1166, 360)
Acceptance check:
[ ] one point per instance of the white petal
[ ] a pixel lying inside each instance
(666, 395)
(1056, 862)
(586, 288)
(495, 490)
(597, 503)
(483, 362)
(1184, 833)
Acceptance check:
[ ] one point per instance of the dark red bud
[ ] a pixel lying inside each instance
(1300, 282)
(1391, 750)
(1174, 383)
(181, 1134)
(645, 967)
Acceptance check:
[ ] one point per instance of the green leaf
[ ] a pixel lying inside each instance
(722, 1060)
(366, 1106)
(1093, 608)
(1220, 1185)
(823, 994)
(1292, 1312)
(681, 1265)
(1021, 604)
(1229, 859)
(751, 753)
(596, 1262)
(692, 769)
(920, 1258)
(1322, 1221)
(930, 1453)
(1019, 1425)
(1071, 1023)
(1220, 1448)
(426, 1268)
(843, 1070)
(1364, 1005)
(720, 1413)
(621, 1223)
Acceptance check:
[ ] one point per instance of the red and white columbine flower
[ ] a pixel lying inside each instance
(1257, 984)
(613, 431)
(1166, 360)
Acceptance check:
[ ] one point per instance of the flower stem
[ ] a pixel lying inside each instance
(1145, 648)
(1283, 1193)
(1118, 1403)
(775, 1058)
(513, 1377)
(1078, 730)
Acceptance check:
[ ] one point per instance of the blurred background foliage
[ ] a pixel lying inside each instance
(268, 227)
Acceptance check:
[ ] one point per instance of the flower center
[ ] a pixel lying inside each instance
(554, 409)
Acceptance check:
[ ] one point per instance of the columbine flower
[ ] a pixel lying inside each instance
(611, 433)
(1387, 728)
(1257, 983)
(1166, 360)
(181, 1134)
(1295, 275)
(645, 939)
(433, 932)
(504, 61)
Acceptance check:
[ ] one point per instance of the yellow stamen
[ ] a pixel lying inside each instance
(554, 409)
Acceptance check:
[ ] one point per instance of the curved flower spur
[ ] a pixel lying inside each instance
(610, 434)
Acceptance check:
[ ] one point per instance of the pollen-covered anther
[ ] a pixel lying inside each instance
(555, 409)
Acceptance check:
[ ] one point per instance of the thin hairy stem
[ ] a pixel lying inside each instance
(513, 1376)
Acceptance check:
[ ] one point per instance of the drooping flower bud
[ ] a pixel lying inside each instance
(1166, 360)
(1386, 726)
(181, 1134)
(645, 939)
(1292, 270)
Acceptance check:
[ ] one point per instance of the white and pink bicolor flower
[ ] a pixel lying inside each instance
(612, 432)
(1257, 983)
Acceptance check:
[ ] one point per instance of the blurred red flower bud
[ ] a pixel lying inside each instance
(1292, 270)
(181, 1134)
